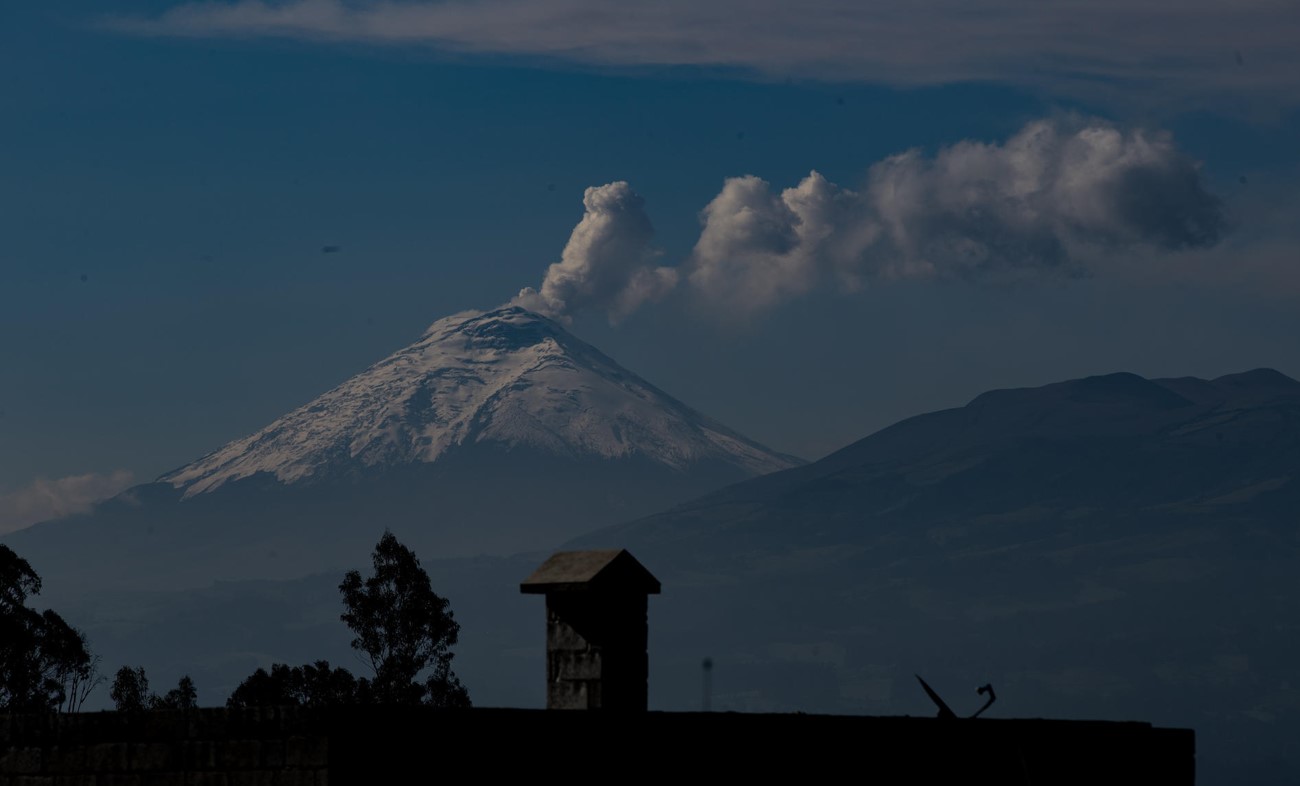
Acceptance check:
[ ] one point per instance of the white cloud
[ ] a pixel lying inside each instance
(1031, 203)
(1196, 48)
(46, 499)
(607, 264)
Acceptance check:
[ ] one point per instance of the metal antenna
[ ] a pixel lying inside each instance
(992, 698)
(944, 710)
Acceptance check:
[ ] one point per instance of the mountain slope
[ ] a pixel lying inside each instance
(1116, 441)
(1110, 547)
(496, 432)
(508, 377)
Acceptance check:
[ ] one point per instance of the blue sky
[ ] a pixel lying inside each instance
(172, 172)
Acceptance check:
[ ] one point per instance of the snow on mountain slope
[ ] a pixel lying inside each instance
(506, 376)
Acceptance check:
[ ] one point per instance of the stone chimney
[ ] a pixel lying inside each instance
(596, 629)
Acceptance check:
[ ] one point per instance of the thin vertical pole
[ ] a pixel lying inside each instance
(708, 684)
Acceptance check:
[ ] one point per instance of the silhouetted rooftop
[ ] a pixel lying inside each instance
(576, 570)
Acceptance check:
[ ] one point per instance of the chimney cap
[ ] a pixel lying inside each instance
(604, 569)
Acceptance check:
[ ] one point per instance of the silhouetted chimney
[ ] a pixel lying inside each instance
(596, 629)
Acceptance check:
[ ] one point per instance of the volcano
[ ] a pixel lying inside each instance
(497, 432)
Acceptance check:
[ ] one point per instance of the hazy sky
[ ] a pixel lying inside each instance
(213, 212)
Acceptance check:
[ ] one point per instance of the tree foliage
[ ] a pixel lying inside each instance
(130, 690)
(45, 663)
(403, 628)
(312, 685)
(130, 693)
(182, 697)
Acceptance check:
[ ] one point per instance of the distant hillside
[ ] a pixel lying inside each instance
(1117, 450)
(1109, 547)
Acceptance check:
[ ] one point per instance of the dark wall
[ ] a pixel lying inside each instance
(596, 651)
(292, 747)
(211, 747)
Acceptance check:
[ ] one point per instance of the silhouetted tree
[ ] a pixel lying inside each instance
(182, 697)
(44, 661)
(130, 693)
(403, 628)
(81, 677)
(130, 690)
(312, 685)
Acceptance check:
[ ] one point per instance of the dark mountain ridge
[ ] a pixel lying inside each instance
(1109, 547)
(1082, 441)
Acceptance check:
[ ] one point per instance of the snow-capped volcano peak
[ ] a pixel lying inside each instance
(507, 377)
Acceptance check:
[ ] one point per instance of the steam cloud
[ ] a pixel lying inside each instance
(972, 209)
(608, 261)
(1031, 204)
(758, 248)
(47, 499)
